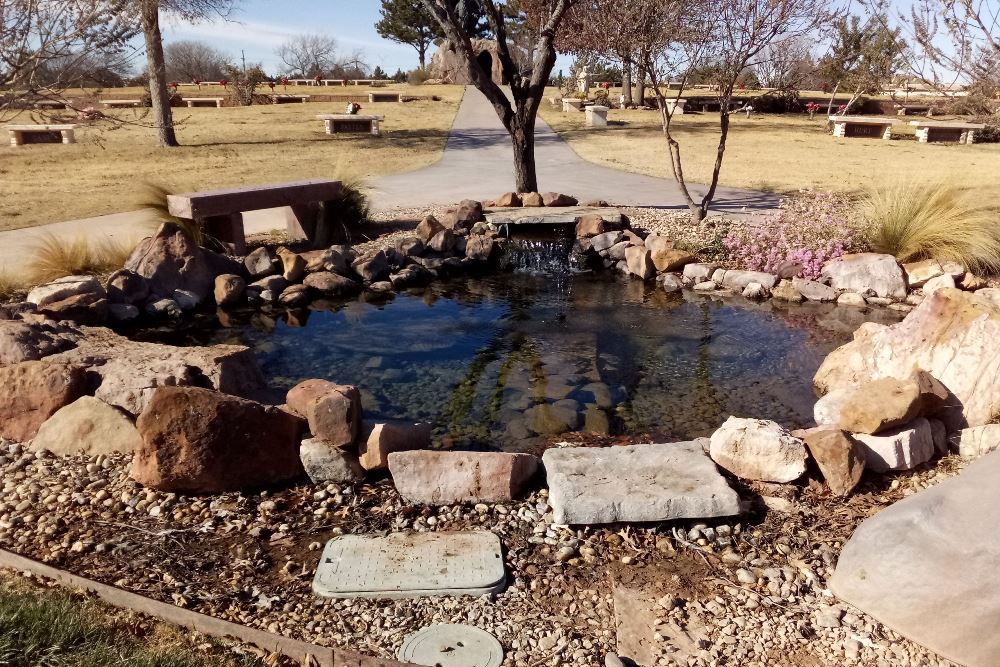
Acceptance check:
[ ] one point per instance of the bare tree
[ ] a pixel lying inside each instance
(308, 55)
(728, 36)
(149, 16)
(955, 40)
(527, 83)
(191, 60)
(784, 64)
(47, 47)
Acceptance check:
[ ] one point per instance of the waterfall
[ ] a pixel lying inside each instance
(545, 249)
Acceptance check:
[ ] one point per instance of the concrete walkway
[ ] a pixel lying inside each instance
(477, 163)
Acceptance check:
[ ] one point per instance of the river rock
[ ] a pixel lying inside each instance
(427, 228)
(940, 282)
(531, 200)
(261, 263)
(32, 391)
(553, 418)
(602, 242)
(325, 463)
(126, 373)
(755, 292)
(79, 299)
(591, 225)
(864, 272)
(851, 299)
(507, 200)
(480, 248)
(332, 410)
(296, 296)
(636, 483)
(169, 260)
(699, 272)
(870, 407)
(333, 284)
(201, 441)
(413, 275)
(127, 287)
(671, 282)
(839, 457)
(24, 341)
(665, 256)
(379, 439)
(758, 449)
(63, 288)
(975, 441)
(293, 267)
(738, 280)
(443, 241)
(447, 478)
(951, 335)
(230, 289)
(409, 246)
(87, 426)
(335, 258)
(901, 448)
(555, 199)
(786, 291)
(923, 565)
(372, 268)
(918, 273)
(640, 262)
(814, 291)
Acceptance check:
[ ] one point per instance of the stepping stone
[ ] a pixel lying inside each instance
(408, 565)
(656, 482)
(451, 645)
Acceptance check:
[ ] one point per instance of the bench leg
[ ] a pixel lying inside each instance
(301, 221)
(228, 230)
(375, 130)
(887, 134)
(68, 137)
(329, 126)
(16, 138)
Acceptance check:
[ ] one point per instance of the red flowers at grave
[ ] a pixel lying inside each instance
(224, 83)
(284, 82)
(174, 85)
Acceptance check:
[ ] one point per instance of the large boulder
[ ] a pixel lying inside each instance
(30, 341)
(201, 441)
(636, 483)
(88, 426)
(923, 566)
(446, 478)
(380, 439)
(332, 410)
(867, 272)
(170, 260)
(951, 335)
(871, 407)
(32, 391)
(758, 449)
(901, 448)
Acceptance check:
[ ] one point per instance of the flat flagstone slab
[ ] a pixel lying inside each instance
(404, 565)
(636, 483)
(451, 645)
(545, 215)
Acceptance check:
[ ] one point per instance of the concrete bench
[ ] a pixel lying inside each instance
(220, 212)
(871, 127)
(289, 99)
(384, 97)
(120, 104)
(597, 116)
(675, 107)
(343, 123)
(41, 134)
(204, 101)
(929, 131)
(572, 104)
(910, 109)
(51, 104)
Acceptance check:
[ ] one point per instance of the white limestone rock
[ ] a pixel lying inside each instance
(901, 448)
(758, 449)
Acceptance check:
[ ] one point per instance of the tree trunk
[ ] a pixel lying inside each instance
(833, 96)
(157, 74)
(422, 51)
(523, 140)
(706, 201)
(640, 84)
(626, 82)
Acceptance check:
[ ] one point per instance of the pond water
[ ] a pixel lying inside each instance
(497, 362)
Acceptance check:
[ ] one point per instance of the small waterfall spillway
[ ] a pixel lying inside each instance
(547, 249)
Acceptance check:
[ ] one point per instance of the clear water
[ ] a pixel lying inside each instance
(475, 356)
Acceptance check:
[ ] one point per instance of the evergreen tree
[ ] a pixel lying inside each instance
(408, 22)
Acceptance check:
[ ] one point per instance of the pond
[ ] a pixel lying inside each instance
(500, 361)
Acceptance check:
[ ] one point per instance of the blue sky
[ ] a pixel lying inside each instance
(259, 26)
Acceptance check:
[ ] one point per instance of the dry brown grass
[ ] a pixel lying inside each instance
(54, 257)
(222, 147)
(777, 153)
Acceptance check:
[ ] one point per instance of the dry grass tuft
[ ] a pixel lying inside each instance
(153, 196)
(9, 285)
(916, 221)
(55, 257)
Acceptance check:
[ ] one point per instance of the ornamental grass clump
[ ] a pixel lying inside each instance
(939, 221)
(54, 257)
(805, 233)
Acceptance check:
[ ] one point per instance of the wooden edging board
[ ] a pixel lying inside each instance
(307, 654)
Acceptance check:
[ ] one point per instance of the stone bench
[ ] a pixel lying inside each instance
(597, 116)
(41, 134)
(220, 212)
(289, 99)
(572, 104)
(908, 109)
(204, 101)
(871, 127)
(119, 104)
(384, 97)
(929, 131)
(51, 104)
(675, 107)
(344, 123)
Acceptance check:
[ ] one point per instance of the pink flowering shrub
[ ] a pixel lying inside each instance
(808, 230)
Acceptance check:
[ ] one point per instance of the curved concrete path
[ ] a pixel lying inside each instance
(477, 164)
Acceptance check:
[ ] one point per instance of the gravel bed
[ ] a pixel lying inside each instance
(744, 593)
